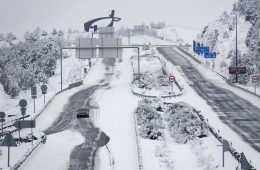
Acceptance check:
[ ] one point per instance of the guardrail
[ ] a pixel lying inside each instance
(19, 163)
(232, 150)
(75, 84)
(149, 96)
(139, 151)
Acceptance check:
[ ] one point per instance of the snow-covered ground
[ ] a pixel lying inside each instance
(116, 118)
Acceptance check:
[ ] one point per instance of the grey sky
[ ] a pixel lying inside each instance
(20, 15)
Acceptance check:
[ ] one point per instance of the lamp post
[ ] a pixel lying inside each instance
(236, 49)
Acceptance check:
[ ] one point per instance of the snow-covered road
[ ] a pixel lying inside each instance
(108, 91)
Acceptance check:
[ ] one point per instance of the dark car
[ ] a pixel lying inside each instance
(83, 113)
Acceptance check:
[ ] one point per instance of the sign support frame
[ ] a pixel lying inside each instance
(101, 47)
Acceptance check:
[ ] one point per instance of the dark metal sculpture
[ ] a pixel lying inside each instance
(88, 25)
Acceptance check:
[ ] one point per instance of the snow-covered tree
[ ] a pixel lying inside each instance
(28, 61)
(10, 37)
(2, 37)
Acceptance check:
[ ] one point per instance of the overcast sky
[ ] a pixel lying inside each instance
(20, 15)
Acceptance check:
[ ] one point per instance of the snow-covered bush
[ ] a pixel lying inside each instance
(149, 81)
(183, 122)
(149, 121)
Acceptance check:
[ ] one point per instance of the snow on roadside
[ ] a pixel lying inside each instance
(55, 154)
(116, 116)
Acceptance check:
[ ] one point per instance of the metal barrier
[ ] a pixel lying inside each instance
(139, 151)
(19, 164)
(75, 84)
(232, 150)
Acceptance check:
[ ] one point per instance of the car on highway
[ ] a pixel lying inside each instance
(83, 113)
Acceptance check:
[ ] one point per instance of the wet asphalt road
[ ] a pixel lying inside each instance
(82, 156)
(237, 113)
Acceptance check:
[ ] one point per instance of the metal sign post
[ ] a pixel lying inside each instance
(22, 104)
(225, 148)
(254, 81)
(44, 89)
(172, 80)
(34, 95)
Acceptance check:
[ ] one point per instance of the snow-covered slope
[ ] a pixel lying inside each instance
(178, 34)
(220, 36)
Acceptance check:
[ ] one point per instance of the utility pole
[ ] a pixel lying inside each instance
(236, 49)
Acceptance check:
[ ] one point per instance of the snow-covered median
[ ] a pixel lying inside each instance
(153, 82)
(172, 133)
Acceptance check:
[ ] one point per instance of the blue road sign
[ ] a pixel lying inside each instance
(201, 50)
(210, 55)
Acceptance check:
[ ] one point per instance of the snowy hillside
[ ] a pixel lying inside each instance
(220, 36)
(178, 34)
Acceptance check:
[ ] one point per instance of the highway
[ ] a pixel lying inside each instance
(236, 112)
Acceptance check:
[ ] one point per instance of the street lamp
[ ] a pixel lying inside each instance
(236, 49)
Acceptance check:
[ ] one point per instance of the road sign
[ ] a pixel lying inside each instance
(200, 50)
(237, 70)
(23, 103)
(24, 124)
(9, 141)
(171, 79)
(103, 139)
(34, 92)
(210, 54)
(110, 52)
(254, 79)
(244, 162)
(44, 89)
(2, 115)
(86, 43)
(2, 120)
